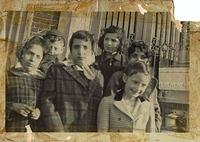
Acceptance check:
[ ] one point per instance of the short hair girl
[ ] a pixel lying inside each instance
(128, 111)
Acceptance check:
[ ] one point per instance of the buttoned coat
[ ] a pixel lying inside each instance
(112, 89)
(113, 116)
(69, 102)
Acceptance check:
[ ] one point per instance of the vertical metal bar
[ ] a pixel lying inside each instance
(106, 19)
(123, 20)
(115, 15)
(166, 27)
(112, 18)
(129, 24)
(132, 19)
(135, 21)
(142, 28)
(156, 28)
(118, 18)
(121, 17)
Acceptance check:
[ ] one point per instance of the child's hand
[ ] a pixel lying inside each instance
(22, 109)
(35, 114)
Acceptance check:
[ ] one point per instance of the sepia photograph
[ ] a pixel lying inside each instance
(96, 72)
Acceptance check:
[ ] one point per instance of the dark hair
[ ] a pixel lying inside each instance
(83, 35)
(113, 29)
(130, 69)
(141, 46)
(54, 35)
(136, 67)
(38, 40)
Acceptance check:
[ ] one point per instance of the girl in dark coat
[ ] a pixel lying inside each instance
(111, 59)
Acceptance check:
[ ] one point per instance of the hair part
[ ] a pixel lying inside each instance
(131, 69)
(82, 35)
(113, 29)
(136, 67)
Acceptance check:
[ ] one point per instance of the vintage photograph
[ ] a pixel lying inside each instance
(96, 72)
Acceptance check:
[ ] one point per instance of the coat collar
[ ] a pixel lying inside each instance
(75, 74)
(120, 105)
(18, 70)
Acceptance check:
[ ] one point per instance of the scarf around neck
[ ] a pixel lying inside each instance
(20, 71)
(88, 73)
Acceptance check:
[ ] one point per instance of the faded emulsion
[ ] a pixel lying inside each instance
(98, 72)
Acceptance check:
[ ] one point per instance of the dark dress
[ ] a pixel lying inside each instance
(109, 64)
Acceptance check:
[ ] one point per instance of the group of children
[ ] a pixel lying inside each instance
(82, 93)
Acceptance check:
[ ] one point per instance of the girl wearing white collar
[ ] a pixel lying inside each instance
(127, 110)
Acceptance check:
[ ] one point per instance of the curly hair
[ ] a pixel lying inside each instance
(141, 46)
(113, 29)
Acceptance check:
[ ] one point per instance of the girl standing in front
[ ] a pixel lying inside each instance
(127, 110)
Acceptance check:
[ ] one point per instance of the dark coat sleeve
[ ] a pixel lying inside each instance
(113, 83)
(49, 115)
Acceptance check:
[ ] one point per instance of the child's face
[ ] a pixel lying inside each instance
(138, 56)
(111, 42)
(81, 51)
(32, 57)
(56, 48)
(136, 84)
